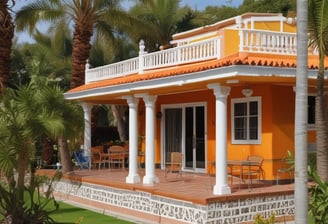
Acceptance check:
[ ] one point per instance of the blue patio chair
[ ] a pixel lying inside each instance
(81, 160)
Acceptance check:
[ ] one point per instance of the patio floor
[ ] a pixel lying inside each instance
(192, 187)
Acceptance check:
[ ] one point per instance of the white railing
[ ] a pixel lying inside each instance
(267, 42)
(257, 41)
(199, 51)
(203, 50)
(114, 70)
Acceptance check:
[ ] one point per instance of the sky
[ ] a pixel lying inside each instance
(194, 4)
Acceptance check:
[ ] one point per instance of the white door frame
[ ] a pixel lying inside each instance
(183, 147)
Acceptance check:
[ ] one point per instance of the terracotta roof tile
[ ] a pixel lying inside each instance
(236, 59)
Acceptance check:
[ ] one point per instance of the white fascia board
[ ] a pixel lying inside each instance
(179, 80)
(96, 92)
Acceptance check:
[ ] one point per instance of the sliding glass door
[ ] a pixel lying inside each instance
(184, 131)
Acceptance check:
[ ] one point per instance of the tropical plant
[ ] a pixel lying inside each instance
(19, 74)
(318, 39)
(50, 56)
(36, 207)
(162, 19)
(268, 6)
(51, 97)
(23, 119)
(7, 33)
(318, 205)
(104, 16)
(260, 220)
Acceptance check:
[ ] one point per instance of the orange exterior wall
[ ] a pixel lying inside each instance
(278, 105)
(277, 127)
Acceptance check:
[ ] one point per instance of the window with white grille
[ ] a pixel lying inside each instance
(246, 120)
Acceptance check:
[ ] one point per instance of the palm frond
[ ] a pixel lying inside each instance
(318, 25)
(41, 10)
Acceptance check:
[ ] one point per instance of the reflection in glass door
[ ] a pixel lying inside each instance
(173, 131)
(195, 137)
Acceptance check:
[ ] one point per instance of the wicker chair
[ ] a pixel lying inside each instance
(175, 165)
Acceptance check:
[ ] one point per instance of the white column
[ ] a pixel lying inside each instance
(150, 176)
(133, 176)
(87, 107)
(221, 92)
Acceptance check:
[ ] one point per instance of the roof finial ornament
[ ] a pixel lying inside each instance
(141, 46)
(87, 65)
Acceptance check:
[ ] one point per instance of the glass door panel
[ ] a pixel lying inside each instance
(189, 137)
(173, 131)
(195, 137)
(200, 138)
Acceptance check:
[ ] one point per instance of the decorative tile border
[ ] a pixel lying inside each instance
(221, 212)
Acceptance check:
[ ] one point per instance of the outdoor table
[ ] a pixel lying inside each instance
(241, 164)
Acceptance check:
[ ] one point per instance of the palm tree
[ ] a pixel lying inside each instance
(26, 115)
(23, 119)
(301, 190)
(50, 57)
(105, 16)
(162, 19)
(318, 39)
(6, 33)
(51, 97)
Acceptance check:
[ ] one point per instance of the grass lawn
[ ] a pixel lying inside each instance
(70, 214)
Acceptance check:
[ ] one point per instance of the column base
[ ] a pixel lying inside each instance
(150, 180)
(221, 190)
(132, 179)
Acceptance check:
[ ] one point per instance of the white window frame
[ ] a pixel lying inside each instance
(259, 130)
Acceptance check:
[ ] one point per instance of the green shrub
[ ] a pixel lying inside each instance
(318, 203)
(260, 220)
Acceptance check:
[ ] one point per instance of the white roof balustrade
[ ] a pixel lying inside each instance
(252, 41)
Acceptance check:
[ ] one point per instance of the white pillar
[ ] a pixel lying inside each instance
(133, 176)
(150, 176)
(87, 107)
(221, 184)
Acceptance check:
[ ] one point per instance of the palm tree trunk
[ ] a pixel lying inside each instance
(22, 161)
(65, 155)
(321, 124)
(80, 54)
(119, 113)
(47, 151)
(7, 34)
(301, 190)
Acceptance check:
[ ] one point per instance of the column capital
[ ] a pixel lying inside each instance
(86, 106)
(149, 99)
(219, 91)
(131, 100)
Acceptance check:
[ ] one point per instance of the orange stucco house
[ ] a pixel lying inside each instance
(224, 91)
